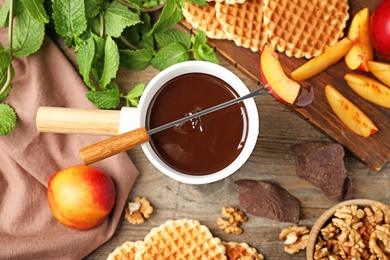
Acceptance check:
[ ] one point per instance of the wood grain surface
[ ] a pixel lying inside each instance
(373, 151)
(271, 161)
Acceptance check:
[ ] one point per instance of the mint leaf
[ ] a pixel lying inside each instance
(173, 35)
(205, 53)
(4, 13)
(37, 10)
(142, 4)
(69, 18)
(135, 3)
(137, 35)
(93, 8)
(133, 96)
(28, 35)
(7, 119)
(85, 55)
(98, 60)
(170, 15)
(199, 2)
(136, 91)
(202, 51)
(169, 55)
(146, 40)
(200, 37)
(136, 60)
(107, 99)
(117, 17)
(5, 57)
(111, 62)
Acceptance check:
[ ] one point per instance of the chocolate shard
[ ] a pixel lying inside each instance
(267, 200)
(323, 166)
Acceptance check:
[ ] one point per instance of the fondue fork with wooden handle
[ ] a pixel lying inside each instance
(136, 137)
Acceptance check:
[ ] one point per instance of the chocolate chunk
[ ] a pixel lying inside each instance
(267, 200)
(323, 166)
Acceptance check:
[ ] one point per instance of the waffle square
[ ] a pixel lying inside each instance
(243, 23)
(239, 251)
(126, 251)
(304, 28)
(204, 18)
(181, 239)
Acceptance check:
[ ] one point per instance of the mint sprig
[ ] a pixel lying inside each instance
(105, 36)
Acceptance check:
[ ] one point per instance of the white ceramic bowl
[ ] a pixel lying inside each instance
(208, 68)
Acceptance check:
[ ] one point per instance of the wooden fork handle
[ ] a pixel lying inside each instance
(114, 145)
(78, 121)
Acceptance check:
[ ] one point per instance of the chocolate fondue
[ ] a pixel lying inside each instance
(203, 145)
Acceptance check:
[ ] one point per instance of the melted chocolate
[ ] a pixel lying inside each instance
(305, 96)
(202, 145)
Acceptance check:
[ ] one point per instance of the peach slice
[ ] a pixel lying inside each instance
(369, 89)
(361, 51)
(323, 61)
(281, 87)
(349, 113)
(381, 70)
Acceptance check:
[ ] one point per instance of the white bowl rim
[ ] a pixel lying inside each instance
(233, 80)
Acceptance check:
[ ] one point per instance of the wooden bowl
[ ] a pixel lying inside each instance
(315, 230)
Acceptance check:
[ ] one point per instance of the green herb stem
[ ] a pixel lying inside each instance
(101, 16)
(10, 28)
(128, 5)
(127, 43)
(8, 82)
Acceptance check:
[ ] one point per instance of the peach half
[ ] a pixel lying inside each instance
(361, 51)
(81, 197)
(323, 61)
(354, 118)
(381, 70)
(280, 86)
(369, 89)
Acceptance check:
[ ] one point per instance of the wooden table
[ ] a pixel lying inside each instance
(270, 161)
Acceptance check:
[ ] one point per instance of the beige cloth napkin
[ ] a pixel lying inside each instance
(28, 159)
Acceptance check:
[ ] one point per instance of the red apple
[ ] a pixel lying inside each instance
(81, 197)
(380, 28)
(281, 87)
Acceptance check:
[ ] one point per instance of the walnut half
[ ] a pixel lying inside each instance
(138, 210)
(295, 238)
(232, 224)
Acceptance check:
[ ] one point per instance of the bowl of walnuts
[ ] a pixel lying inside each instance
(353, 229)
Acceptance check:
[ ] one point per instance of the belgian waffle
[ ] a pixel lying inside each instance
(204, 18)
(181, 239)
(241, 251)
(126, 251)
(304, 28)
(243, 23)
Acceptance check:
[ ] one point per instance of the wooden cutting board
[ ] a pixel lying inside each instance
(374, 151)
